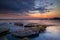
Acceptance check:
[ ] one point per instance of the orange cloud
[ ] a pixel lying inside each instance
(34, 15)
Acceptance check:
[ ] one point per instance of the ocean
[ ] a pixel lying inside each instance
(51, 33)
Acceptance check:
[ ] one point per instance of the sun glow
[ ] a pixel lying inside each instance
(45, 15)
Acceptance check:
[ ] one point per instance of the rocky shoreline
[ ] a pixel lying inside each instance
(28, 30)
(19, 30)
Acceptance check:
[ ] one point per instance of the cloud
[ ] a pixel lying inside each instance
(25, 6)
(14, 5)
(43, 5)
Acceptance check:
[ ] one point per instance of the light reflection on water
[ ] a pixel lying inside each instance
(51, 33)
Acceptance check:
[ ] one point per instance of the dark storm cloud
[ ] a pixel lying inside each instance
(15, 5)
(22, 6)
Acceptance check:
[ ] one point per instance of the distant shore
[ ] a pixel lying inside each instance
(30, 19)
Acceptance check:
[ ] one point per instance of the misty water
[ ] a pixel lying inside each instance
(51, 33)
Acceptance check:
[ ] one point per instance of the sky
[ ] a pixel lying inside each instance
(29, 8)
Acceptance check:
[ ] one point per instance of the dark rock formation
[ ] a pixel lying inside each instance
(18, 24)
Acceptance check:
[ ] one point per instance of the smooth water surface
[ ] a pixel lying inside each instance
(51, 33)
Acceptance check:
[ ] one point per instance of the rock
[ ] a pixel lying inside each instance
(3, 31)
(31, 25)
(28, 30)
(25, 38)
(18, 24)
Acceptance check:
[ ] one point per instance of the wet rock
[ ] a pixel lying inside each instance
(28, 30)
(4, 31)
(31, 25)
(18, 24)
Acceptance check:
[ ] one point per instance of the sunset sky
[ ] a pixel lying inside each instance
(29, 9)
